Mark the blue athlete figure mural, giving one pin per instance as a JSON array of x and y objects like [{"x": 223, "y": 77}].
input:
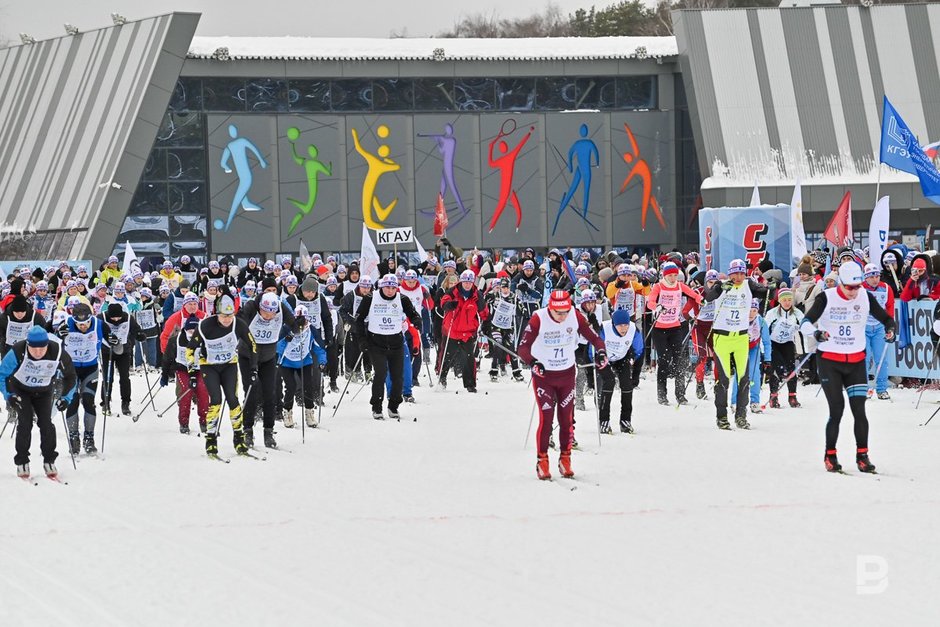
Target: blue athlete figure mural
[
  {"x": 237, "y": 150},
  {"x": 587, "y": 155}
]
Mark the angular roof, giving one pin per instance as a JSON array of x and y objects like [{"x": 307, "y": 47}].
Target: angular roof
[{"x": 422, "y": 49}]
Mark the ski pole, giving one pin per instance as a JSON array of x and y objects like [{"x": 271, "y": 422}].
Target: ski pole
[
  {"x": 535, "y": 403},
  {"x": 931, "y": 417},
  {"x": 107, "y": 384},
  {"x": 303, "y": 403},
  {"x": 881, "y": 362},
  {"x": 66, "y": 427},
  {"x": 345, "y": 387},
  {"x": 176, "y": 402},
  {"x": 929, "y": 372},
  {"x": 792, "y": 374},
  {"x": 149, "y": 390},
  {"x": 322, "y": 395},
  {"x": 597, "y": 409},
  {"x": 152, "y": 402}
]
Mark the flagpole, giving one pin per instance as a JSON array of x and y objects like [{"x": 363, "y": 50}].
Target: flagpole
[{"x": 878, "y": 184}]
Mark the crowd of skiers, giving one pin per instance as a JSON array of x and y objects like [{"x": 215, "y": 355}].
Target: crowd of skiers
[{"x": 253, "y": 340}]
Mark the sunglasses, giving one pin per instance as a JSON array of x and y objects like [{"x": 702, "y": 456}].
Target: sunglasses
[{"x": 851, "y": 288}]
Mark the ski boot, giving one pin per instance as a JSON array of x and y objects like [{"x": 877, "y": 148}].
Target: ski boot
[
  {"x": 288, "y": 418},
  {"x": 22, "y": 470},
  {"x": 884, "y": 396},
  {"x": 393, "y": 414},
  {"x": 409, "y": 398},
  {"x": 442, "y": 383},
  {"x": 741, "y": 422},
  {"x": 662, "y": 400},
  {"x": 861, "y": 460},
  {"x": 723, "y": 423},
  {"x": 626, "y": 427},
  {"x": 184, "y": 429},
  {"x": 517, "y": 375},
  {"x": 310, "y": 416},
  {"x": 202, "y": 426},
  {"x": 333, "y": 386},
  {"x": 832, "y": 462},
  {"x": 494, "y": 376},
  {"x": 88, "y": 443},
  {"x": 793, "y": 402},
  {"x": 75, "y": 445},
  {"x": 51, "y": 472},
  {"x": 269, "y": 438},
  {"x": 700, "y": 391},
  {"x": 377, "y": 415},
  {"x": 541, "y": 467},
  {"x": 472, "y": 389},
  {"x": 249, "y": 436},
  {"x": 212, "y": 445},
  {"x": 574, "y": 444},
  {"x": 126, "y": 408},
  {"x": 564, "y": 464},
  {"x": 682, "y": 400},
  {"x": 415, "y": 383},
  {"x": 755, "y": 409},
  {"x": 605, "y": 428},
  {"x": 579, "y": 404},
  {"x": 551, "y": 441},
  {"x": 775, "y": 401},
  {"x": 238, "y": 439}
]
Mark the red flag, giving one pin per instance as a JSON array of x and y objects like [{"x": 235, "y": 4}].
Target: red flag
[
  {"x": 440, "y": 217},
  {"x": 839, "y": 231}
]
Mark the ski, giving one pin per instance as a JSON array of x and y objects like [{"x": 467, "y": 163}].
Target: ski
[
  {"x": 251, "y": 455},
  {"x": 29, "y": 480},
  {"x": 55, "y": 479},
  {"x": 217, "y": 458}
]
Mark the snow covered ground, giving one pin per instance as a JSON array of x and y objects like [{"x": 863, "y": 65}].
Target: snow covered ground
[{"x": 442, "y": 522}]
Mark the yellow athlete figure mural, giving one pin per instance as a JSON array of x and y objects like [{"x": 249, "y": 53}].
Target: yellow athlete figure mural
[{"x": 379, "y": 164}]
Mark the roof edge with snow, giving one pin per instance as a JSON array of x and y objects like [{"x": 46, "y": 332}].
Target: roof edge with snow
[{"x": 432, "y": 49}]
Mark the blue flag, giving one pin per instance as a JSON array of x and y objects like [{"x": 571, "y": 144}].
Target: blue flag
[{"x": 901, "y": 150}]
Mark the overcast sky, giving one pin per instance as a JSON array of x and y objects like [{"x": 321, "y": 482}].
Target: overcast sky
[{"x": 343, "y": 18}]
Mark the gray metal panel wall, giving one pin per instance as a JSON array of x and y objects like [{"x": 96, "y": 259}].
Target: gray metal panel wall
[{"x": 78, "y": 112}]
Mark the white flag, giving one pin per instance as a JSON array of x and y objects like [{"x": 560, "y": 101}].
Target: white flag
[
  {"x": 755, "y": 197},
  {"x": 878, "y": 230},
  {"x": 131, "y": 262},
  {"x": 368, "y": 257},
  {"x": 306, "y": 262},
  {"x": 797, "y": 234},
  {"x": 422, "y": 254}
]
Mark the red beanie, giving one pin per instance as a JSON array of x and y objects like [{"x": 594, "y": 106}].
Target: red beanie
[
  {"x": 919, "y": 263},
  {"x": 559, "y": 301}
]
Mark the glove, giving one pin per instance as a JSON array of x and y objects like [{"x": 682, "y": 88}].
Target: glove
[
  {"x": 726, "y": 286},
  {"x": 63, "y": 331},
  {"x": 766, "y": 368},
  {"x": 364, "y": 345},
  {"x": 253, "y": 375},
  {"x": 289, "y": 336},
  {"x": 890, "y": 337},
  {"x": 537, "y": 368},
  {"x": 164, "y": 380},
  {"x": 322, "y": 367},
  {"x": 112, "y": 339},
  {"x": 449, "y": 305},
  {"x": 658, "y": 310},
  {"x": 821, "y": 336},
  {"x": 193, "y": 381},
  {"x": 61, "y": 404},
  {"x": 601, "y": 359},
  {"x": 15, "y": 403},
  {"x": 141, "y": 336}
]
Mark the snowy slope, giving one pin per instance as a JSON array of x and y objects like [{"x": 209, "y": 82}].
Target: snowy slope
[{"x": 442, "y": 522}]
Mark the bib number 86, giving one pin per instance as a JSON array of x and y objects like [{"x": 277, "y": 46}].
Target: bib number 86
[{"x": 845, "y": 330}]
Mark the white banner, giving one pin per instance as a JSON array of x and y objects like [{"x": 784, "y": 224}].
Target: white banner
[
  {"x": 368, "y": 257},
  {"x": 392, "y": 237},
  {"x": 131, "y": 262},
  {"x": 797, "y": 234},
  {"x": 755, "y": 196},
  {"x": 878, "y": 230}
]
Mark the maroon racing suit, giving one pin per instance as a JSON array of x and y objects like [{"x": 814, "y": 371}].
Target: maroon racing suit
[{"x": 555, "y": 388}]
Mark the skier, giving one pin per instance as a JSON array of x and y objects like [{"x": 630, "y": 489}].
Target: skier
[
  {"x": 464, "y": 309},
  {"x": 704, "y": 315},
  {"x": 300, "y": 355},
  {"x": 837, "y": 320},
  {"x": 214, "y": 350},
  {"x": 412, "y": 289},
  {"x": 665, "y": 301},
  {"x": 82, "y": 337},
  {"x": 188, "y": 388},
  {"x": 379, "y": 325},
  {"x": 501, "y": 322},
  {"x": 269, "y": 319},
  {"x": 333, "y": 296},
  {"x": 528, "y": 285},
  {"x": 349, "y": 311},
  {"x": 120, "y": 332},
  {"x": 875, "y": 345},
  {"x": 784, "y": 322},
  {"x": 624, "y": 344},
  {"x": 16, "y": 321},
  {"x": 28, "y": 375},
  {"x": 584, "y": 378},
  {"x": 547, "y": 346}
]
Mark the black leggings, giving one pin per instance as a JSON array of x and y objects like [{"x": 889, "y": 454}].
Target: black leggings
[
  {"x": 221, "y": 379},
  {"x": 87, "y": 377},
  {"x": 782, "y": 359},
  {"x": 387, "y": 361},
  {"x": 460, "y": 353},
  {"x": 121, "y": 369},
  {"x": 264, "y": 391},
  {"x": 40, "y": 406},
  {"x": 836, "y": 376},
  {"x": 310, "y": 385},
  {"x": 668, "y": 344},
  {"x": 617, "y": 372}
]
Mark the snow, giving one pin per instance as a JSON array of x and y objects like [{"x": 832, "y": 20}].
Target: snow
[
  {"x": 442, "y": 521},
  {"x": 361, "y": 48}
]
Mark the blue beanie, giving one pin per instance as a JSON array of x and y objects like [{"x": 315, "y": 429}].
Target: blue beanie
[
  {"x": 620, "y": 316},
  {"x": 37, "y": 337}
]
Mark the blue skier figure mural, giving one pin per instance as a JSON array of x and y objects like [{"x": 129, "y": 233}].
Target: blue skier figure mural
[
  {"x": 447, "y": 146},
  {"x": 237, "y": 150},
  {"x": 587, "y": 155}
]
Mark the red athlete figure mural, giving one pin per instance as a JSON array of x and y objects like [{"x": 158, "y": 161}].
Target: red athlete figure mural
[
  {"x": 506, "y": 163},
  {"x": 642, "y": 170}
]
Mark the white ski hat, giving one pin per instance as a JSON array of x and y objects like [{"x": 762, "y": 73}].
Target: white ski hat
[
  {"x": 872, "y": 270},
  {"x": 850, "y": 273}
]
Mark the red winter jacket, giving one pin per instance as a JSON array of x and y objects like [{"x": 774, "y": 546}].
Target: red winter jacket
[
  {"x": 463, "y": 322},
  {"x": 174, "y": 323}
]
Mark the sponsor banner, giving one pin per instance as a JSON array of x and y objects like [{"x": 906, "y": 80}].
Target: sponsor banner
[
  {"x": 919, "y": 358},
  {"x": 749, "y": 233}
]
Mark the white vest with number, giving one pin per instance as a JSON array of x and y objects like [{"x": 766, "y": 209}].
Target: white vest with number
[
  {"x": 147, "y": 318},
  {"x": 36, "y": 373},
  {"x": 83, "y": 347},
  {"x": 416, "y": 296},
  {"x": 625, "y": 299},
  {"x": 706, "y": 312},
  {"x": 313, "y": 312},
  {"x": 881, "y": 295},
  {"x": 17, "y": 331},
  {"x": 266, "y": 331},
  {"x": 181, "y": 350},
  {"x": 556, "y": 342},
  {"x": 732, "y": 309},
  {"x": 616, "y": 345},
  {"x": 221, "y": 350},
  {"x": 299, "y": 347},
  {"x": 504, "y": 314},
  {"x": 784, "y": 328},
  {"x": 385, "y": 316},
  {"x": 844, "y": 320},
  {"x": 121, "y": 331}
]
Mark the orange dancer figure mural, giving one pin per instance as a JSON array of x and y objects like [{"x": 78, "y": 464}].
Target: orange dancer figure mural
[{"x": 642, "y": 170}]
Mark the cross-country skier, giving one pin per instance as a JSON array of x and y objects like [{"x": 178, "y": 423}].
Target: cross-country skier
[
  {"x": 301, "y": 354},
  {"x": 784, "y": 322},
  {"x": 82, "y": 337},
  {"x": 875, "y": 345},
  {"x": 464, "y": 310},
  {"x": 624, "y": 344},
  {"x": 189, "y": 389},
  {"x": 501, "y": 324},
  {"x": 665, "y": 301},
  {"x": 120, "y": 333},
  {"x": 16, "y": 321}
]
